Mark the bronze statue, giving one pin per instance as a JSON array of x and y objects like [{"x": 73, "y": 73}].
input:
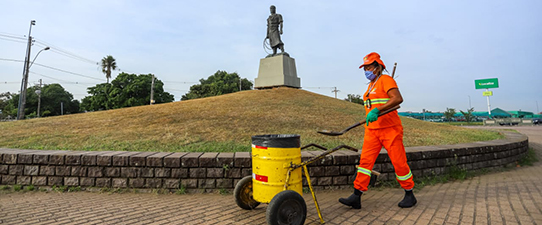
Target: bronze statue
[{"x": 274, "y": 30}]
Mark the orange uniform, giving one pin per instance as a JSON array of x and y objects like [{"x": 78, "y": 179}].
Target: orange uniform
[{"x": 386, "y": 132}]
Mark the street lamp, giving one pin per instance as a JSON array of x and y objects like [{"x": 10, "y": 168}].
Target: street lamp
[
  {"x": 45, "y": 49},
  {"x": 22, "y": 95}
]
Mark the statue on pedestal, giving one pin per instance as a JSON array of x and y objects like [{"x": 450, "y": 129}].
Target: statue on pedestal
[{"x": 274, "y": 30}]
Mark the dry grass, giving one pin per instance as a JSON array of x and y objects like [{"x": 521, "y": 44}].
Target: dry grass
[{"x": 222, "y": 123}]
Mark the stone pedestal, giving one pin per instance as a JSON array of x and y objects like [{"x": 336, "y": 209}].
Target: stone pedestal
[{"x": 277, "y": 71}]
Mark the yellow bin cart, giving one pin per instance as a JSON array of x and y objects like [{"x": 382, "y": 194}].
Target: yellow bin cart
[
  {"x": 272, "y": 156},
  {"x": 276, "y": 178}
]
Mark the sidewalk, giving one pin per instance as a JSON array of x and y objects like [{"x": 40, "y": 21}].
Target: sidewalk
[{"x": 510, "y": 197}]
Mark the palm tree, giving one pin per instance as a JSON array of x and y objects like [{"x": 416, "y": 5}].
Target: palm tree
[{"x": 108, "y": 64}]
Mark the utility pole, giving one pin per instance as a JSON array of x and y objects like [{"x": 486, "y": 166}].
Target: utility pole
[
  {"x": 24, "y": 84},
  {"x": 335, "y": 91},
  {"x": 152, "y": 90},
  {"x": 61, "y": 108},
  {"x": 240, "y": 89},
  {"x": 39, "y": 100}
]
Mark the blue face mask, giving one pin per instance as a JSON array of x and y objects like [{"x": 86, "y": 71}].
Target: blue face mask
[{"x": 370, "y": 75}]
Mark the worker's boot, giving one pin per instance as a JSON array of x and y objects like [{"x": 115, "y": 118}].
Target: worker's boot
[
  {"x": 409, "y": 200},
  {"x": 354, "y": 200}
]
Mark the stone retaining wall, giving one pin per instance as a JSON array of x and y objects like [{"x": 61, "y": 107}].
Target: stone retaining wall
[{"x": 222, "y": 170}]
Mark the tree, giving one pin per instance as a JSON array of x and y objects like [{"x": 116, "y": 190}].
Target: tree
[
  {"x": 126, "y": 90},
  {"x": 449, "y": 114},
  {"x": 219, "y": 83},
  {"x": 354, "y": 98},
  {"x": 5, "y": 111},
  {"x": 108, "y": 64},
  {"x": 53, "y": 98},
  {"x": 468, "y": 115}
]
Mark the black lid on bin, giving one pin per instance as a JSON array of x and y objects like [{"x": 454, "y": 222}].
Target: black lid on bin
[{"x": 277, "y": 140}]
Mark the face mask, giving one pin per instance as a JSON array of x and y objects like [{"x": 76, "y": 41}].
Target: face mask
[{"x": 370, "y": 75}]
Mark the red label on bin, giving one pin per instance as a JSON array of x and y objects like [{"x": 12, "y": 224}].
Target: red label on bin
[
  {"x": 261, "y": 178},
  {"x": 260, "y": 147}
]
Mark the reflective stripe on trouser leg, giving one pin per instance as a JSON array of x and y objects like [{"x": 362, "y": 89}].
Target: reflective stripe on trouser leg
[
  {"x": 393, "y": 142},
  {"x": 405, "y": 177},
  {"x": 369, "y": 152},
  {"x": 364, "y": 171}
]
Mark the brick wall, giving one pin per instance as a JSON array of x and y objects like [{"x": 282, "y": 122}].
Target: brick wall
[{"x": 209, "y": 171}]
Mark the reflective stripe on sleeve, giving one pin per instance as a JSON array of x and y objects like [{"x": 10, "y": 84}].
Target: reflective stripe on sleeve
[
  {"x": 377, "y": 101},
  {"x": 364, "y": 171},
  {"x": 405, "y": 177}
]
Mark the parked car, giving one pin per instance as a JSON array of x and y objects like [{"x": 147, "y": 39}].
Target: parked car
[{"x": 537, "y": 121}]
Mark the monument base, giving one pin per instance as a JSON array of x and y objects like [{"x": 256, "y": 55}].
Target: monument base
[{"x": 277, "y": 71}]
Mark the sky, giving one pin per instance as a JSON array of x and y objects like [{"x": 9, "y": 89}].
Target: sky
[{"x": 441, "y": 47}]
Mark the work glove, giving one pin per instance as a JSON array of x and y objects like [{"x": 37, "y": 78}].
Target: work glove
[{"x": 372, "y": 116}]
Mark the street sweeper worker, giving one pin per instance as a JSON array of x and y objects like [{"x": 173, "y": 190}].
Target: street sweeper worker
[{"x": 381, "y": 131}]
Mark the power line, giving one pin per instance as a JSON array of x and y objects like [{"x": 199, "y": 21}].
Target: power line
[
  {"x": 13, "y": 36},
  {"x": 65, "y": 53},
  {"x": 18, "y": 41},
  {"x": 53, "y": 68}
]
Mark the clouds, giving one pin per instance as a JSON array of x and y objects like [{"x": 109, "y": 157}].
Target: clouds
[{"x": 440, "y": 47}]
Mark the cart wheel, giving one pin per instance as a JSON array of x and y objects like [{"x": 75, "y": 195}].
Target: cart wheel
[
  {"x": 243, "y": 194},
  {"x": 287, "y": 207}
]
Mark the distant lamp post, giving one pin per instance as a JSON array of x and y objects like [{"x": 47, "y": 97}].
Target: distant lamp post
[
  {"x": 22, "y": 95},
  {"x": 39, "y": 100}
]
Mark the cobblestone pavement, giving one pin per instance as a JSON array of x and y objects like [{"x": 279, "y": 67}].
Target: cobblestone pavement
[{"x": 509, "y": 197}]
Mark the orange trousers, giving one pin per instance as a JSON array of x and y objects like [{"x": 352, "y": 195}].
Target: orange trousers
[{"x": 392, "y": 139}]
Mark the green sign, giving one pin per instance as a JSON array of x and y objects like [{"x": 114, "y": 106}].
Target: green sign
[{"x": 486, "y": 83}]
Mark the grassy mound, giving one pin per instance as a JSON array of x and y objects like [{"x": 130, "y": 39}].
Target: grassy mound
[{"x": 222, "y": 124}]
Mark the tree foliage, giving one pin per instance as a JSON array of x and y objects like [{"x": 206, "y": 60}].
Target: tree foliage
[
  {"x": 219, "y": 83},
  {"x": 126, "y": 90},
  {"x": 108, "y": 64},
  {"x": 53, "y": 98},
  {"x": 449, "y": 114},
  {"x": 468, "y": 115},
  {"x": 354, "y": 98}
]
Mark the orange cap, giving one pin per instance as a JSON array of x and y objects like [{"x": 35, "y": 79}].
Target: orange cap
[{"x": 370, "y": 58}]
